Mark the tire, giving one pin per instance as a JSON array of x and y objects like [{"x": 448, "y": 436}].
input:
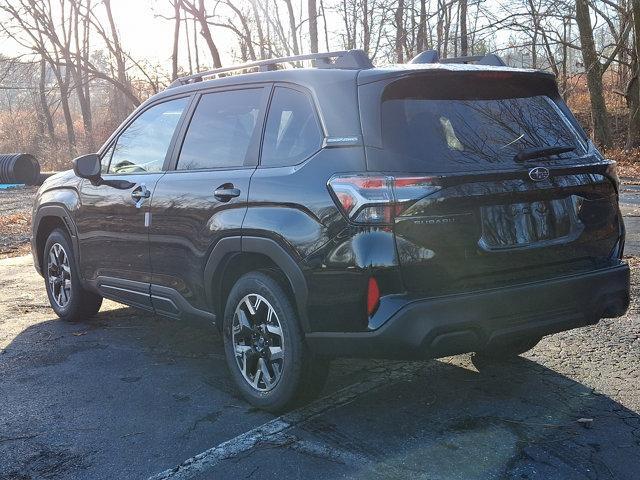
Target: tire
[
  {"x": 69, "y": 300},
  {"x": 286, "y": 377},
  {"x": 507, "y": 350}
]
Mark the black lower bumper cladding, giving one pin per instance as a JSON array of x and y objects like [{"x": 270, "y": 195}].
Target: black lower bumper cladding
[{"x": 461, "y": 323}]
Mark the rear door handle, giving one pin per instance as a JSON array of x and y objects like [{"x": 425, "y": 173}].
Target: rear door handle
[
  {"x": 140, "y": 193},
  {"x": 226, "y": 192}
]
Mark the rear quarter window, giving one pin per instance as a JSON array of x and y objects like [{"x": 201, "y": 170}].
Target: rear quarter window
[{"x": 292, "y": 132}]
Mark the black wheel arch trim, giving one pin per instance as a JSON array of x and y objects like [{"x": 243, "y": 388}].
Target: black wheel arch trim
[
  {"x": 223, "y": 252},
  {"x": 59, "y": 211}
]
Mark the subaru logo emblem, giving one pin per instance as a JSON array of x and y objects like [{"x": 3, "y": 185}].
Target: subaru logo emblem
[{"x": 538, "y": 174}]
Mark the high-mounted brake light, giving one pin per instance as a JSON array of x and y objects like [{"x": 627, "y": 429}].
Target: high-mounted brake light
[{"x": 377, "y": 199}]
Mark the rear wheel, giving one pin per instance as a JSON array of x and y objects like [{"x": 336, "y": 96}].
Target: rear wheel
[
  {"x": 68, "y": 299},
  {"x": 507, "y": 350},
  {"x": 264, "y": 346}
]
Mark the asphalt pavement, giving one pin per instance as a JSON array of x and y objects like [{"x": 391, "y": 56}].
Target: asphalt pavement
[{"x": 130, "y": 396}]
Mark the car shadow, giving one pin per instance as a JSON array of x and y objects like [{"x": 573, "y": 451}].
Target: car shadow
[{"x": 127, "y": 394}]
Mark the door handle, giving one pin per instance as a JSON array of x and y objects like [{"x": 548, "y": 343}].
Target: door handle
[
  {"x": 140, "y": 193},
  {"x": 226, "y": 192}
]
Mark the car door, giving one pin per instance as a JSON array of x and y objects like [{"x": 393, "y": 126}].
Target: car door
[
  {"x": 113, "y": 223},
  {"x": 203, "y": 198}
]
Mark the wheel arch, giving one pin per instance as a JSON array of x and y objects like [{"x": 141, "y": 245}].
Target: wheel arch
[
  {"x": 234, "y": 256},
  {"x": 47, "y": 219}
]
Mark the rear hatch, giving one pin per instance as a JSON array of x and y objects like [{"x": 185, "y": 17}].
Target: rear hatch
[{"x": 516, "y": 192}]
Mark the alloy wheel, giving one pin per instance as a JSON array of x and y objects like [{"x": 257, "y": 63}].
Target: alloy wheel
[
  {"x": 258, "y": 342},
  {"x": 59, "y": 275}
]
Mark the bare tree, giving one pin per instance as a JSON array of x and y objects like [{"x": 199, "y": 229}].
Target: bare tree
[
  {"x": 199, "y": 12},
  {"x": 176, "y": 38},
  {"x": 633, "y": 87},
  {"x": 601, "y": 129},
  {"x": 312, "y": 9},
  {"x": 464, "y": 39}
]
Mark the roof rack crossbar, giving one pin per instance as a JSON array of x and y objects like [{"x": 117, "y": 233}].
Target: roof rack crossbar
[
  {"x": 343, "y": 59},
  {"x": 431, "y": 56}
]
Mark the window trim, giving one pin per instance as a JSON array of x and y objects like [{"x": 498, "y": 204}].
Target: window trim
[
  {"x": 132, "y": 118},
  {"x": 255, "y": 142},
  {"x": 314, "y": 106}
]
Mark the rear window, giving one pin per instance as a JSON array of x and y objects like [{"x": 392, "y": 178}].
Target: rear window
[{"x": 421, "y": 133}]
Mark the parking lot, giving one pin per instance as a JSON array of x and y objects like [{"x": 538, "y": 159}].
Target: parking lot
[{"x": 129, "y": 395}]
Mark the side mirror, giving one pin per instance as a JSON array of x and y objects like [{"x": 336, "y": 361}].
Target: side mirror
[{"x": 88, "y": 166}]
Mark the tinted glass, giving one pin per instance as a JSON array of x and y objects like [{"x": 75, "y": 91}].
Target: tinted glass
[
  {"x": 292, "y": 133},
  {"x": 465, "y": 134},
  {"x": 455, "y": 122},
  {"x": 142, "y": 147},
  {"x": 221, "y": 129},
  {"x": 105, "y": 160}
]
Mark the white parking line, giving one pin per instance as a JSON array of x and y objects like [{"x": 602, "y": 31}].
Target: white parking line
[{"x": 273, "y": 429}]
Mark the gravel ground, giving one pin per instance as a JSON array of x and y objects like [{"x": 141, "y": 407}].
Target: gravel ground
[
  {"x": 15, "y": 220},
  {"x": 129, "y": 395}
]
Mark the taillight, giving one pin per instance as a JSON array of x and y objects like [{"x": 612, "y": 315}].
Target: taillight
[
  {"x": 373, "y": 296},
  {"x": 378, "y": 199}
]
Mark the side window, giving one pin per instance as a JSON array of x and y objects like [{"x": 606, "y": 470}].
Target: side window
[
  {"x": 143, "y": 145},
  {"x": 221, "y": 130},
  {"x": 292, "y": 133}
]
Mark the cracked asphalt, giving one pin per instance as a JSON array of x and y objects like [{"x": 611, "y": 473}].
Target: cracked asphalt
[{"x": 128, "y": 395}]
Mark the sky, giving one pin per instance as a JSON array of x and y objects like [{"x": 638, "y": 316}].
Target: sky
[{"x": 143, "y": 33}]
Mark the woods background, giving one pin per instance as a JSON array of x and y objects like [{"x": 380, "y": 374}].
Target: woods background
[{"x": 67, "y": 79}]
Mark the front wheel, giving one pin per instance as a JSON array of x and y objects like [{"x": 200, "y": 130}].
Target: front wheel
[
  {"x": 68, "y": 299},
  {"x": 264, "y": 346}
]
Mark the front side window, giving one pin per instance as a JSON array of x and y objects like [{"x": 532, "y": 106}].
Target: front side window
[
  {"x": 292, "y": 133},
  {"x": 105, "y": 160},
  {"x": 143, "y": 145},
  {"x": 221, "y": 130}
]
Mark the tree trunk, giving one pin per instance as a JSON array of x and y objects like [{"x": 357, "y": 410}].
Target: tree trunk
[
  {"x": 201, "y": 15},
  {"x": 464, "y": 39},
  {"x": 186, "y": 31},
  {"x": 63, "y": 86},
  {"x": 399, "y": 44},
  {"x": 121, "y": 109},
  {"x": 313, "y": 25},
  {"x": 366, "y": 27},
  {"x": 196, "y": 53},
  {"x": 600, "y": 120},
  {"x": 440, "y": 27},
  {"x": 176, "y": 39},
  {"x": 44, "y": 105},
  {"x": 421, "y": 41},
  {"x": 633, "y": 89},
  {"x": 76, "y": 69},
  {"x": 324, "y": 23},
  {"x": 292, "y": 26},
  {"x": 246, "y": 32},
  {"x": 257, "y": 20}
]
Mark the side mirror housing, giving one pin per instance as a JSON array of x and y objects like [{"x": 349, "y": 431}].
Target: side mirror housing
[{"x": 88, "y": 166}]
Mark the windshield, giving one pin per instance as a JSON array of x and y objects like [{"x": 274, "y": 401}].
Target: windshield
[{"x": 468, "y": 134}]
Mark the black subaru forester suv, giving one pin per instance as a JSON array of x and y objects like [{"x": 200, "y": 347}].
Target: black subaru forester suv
[{"x": 411, "y": 211}]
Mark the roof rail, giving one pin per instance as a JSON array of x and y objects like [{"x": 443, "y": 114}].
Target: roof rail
[
  {"x": 342, "y": 59},
  {"x": 432, "y": 56}
]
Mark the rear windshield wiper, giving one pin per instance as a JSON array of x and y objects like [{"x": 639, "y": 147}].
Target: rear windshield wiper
[{"x": 538, "y": 152}]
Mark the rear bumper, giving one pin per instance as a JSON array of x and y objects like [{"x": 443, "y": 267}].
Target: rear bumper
[{"x": 454, "y": 324}]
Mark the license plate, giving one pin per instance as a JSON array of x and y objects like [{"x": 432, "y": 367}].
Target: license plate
[{"x": 530, "y": 224}]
